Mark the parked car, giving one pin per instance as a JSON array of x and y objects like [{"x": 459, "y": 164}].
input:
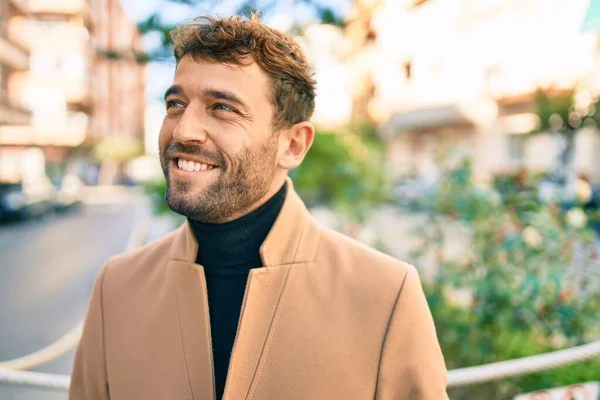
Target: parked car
[
  {"x": 69, "y": 192},
  {"x": 25, "y": 199},
  {"x": 594, "y": 206}
]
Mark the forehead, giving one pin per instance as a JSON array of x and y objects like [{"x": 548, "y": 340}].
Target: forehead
[{"x": 248, "y": 81}]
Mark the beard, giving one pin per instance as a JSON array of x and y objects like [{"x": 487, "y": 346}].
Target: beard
[{"x": 235, "y": 189}]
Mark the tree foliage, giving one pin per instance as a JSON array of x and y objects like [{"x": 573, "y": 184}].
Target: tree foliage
[
  {"x": 117, "y": 148},
  {"x": 560, "y": 114},
  {"x": 558, "y": 111}
]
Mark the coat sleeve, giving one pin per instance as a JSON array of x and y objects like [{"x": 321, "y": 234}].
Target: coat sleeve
[
  {"x": 89, "y": 380},
  {"x": 412, "y": 365}
]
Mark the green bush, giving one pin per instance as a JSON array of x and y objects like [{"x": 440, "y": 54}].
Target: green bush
[
  {"x": 345, "y": 170},
  {"x": 515, "y": 269},
  {"x": 465, "y": 344}
]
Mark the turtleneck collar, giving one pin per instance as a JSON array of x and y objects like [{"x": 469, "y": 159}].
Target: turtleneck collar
[{"x": 237, "y": 243}]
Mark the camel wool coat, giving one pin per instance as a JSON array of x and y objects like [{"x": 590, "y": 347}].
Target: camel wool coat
[{"x": 325, "y": 318}]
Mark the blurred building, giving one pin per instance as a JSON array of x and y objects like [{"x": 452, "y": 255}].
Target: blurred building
[
  {"x": 118, "y": 85},
  {"x": 461, "y": 75},
  {"x": 84, "y": 83},
  {"x": 324, "y": 46},
  {"x": 14, "y": 59}
]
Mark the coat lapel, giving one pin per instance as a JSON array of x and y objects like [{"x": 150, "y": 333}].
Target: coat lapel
[
  {"x": 189, "y": 284},
  {"x": 262, "y": 298},
  {"x": 292, "y": 241},
  {"x": 192, "y": 309}
]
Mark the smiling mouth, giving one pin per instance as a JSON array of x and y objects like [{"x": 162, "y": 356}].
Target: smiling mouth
[{"x": 192, "y": 166}]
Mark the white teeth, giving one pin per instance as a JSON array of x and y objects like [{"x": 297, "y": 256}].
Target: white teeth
[{"x": 192, "y": 166}]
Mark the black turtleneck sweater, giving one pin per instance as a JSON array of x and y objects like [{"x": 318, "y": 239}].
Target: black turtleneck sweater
[{"x": 228, "y": 252}]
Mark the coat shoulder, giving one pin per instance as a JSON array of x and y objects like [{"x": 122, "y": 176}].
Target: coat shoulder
[
  {"x": 141, "y": 260},
  {"x": 354, "y": 257}
]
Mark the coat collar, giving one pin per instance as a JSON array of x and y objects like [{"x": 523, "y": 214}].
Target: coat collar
[{"x": 293, "y": 238}]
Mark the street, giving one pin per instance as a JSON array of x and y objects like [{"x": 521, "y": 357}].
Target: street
[{"x": 47, "y": 269}]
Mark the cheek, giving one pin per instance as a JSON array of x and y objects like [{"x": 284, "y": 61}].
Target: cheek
[
  {"x": 166, "y": 133},
  {"x": 230, "y": 141}
]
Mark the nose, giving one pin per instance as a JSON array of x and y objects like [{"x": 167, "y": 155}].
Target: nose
[{"x": 191, "y": 126}]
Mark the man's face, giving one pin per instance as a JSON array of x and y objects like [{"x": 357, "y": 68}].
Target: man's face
[{"x": 217, "y": 146}]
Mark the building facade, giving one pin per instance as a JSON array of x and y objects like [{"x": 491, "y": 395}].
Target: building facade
[
  {"x": 84, "y": 83},
  {"x": 14, "y": 60},
  {"x": 118, "y": 87},
  {"x": 459, "y": 77}
]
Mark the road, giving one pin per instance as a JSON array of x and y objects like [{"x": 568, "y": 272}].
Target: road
[{"x": 47, "y": 269}]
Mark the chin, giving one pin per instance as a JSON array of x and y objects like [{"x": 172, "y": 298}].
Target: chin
[
  {"x": 188, "y": 198},
  {"x": 180, "y": 203}
]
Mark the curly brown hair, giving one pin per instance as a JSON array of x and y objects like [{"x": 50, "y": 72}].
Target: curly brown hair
[{"x": 241, "y": 41}]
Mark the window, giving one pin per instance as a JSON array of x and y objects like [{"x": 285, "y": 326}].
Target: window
[
  {"x": 50, "y": 18},
  {"x": 492, "y": 80},
  {"x": 43, "y": 64},
  {"x": 72, "y": 65},
  {"x": 2, "y": 78},
  {"x": 476, "y": 6},
  {"x": 371, "y": 35},
  {"x": 408, "y": 70},
  {"x": 3, "y": 11},
  {"x": 417, "y": 3},
  {"x": 516, "y": 148}
]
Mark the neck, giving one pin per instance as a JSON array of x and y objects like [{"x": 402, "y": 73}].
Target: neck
[{"x": 237, "y": 242}]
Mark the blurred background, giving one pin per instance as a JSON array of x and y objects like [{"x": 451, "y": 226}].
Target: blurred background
[{"x": 459, "y": 135}]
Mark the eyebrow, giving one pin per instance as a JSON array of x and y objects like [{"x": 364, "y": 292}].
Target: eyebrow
[
  {"x": 173, "y": 89},
  {"x": 225, "y": 95}
]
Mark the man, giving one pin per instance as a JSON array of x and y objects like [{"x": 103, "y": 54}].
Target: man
[{"x": 251, "y": 298}]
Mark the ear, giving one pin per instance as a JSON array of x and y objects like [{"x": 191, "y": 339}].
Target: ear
[{"x": 294, "y": 143}]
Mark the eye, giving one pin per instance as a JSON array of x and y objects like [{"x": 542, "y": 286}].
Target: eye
[
  {"x": 174, "y": 103},
  {"x": 222, "y": 107}
]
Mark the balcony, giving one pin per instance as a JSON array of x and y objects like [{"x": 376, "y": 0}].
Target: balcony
[
  {"x": 39, "y": 34},
  {"x": 27, "y": 135},
  {"x": 13, "y": 55},
  {"x": 60, "y": 7},
  {"x": 15, "y": 34},
  {"x": 18, "y": 7},
  {"x": 69, "y": 133},
  {"x": 478, "y": 112},
  {"x": 76, "y": 91},
  {"x": 11, "y": 115}
]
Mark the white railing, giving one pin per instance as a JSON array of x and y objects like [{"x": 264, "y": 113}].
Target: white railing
[
  {"x": 47, "y": 354},
  {"x": 35, "y": 380},
  {"x": 456, "y": 377},
  {"x": 13, "y": 372},
  {"x": 522, "y": 366}
]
